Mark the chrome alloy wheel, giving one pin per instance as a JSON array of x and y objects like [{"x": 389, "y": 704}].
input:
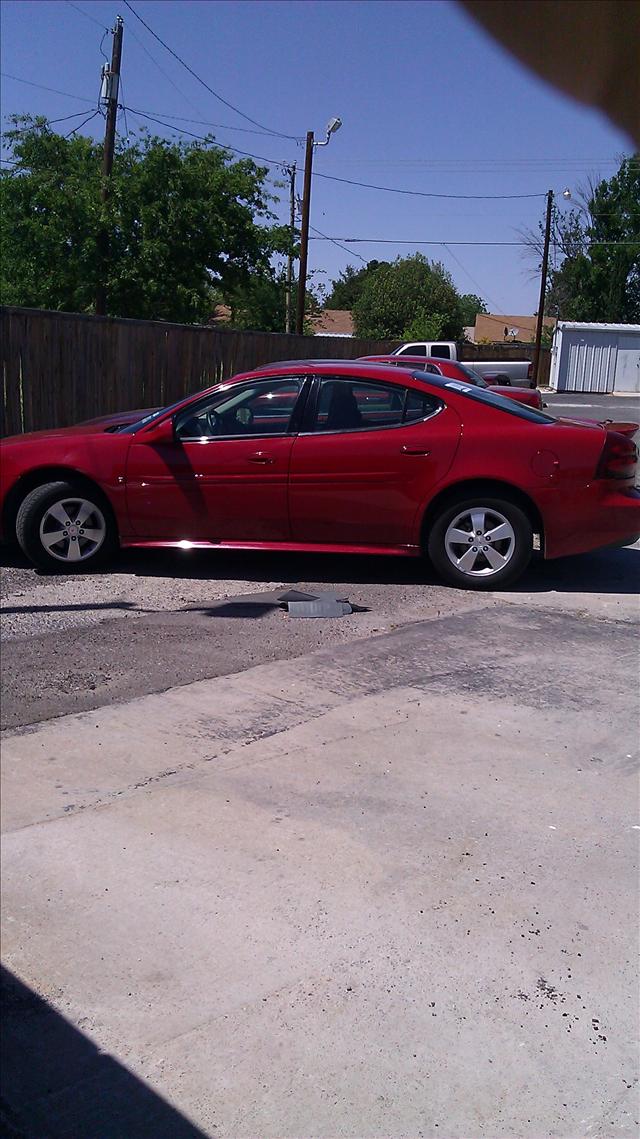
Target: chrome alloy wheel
[
  {"x": 480, "y": 542},
  {"x": 72, "y": 529}
]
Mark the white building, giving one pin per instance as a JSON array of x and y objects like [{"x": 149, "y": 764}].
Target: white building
[{"x": 595, "y": 357}]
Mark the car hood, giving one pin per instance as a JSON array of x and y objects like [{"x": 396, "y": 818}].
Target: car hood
[{"x": 97, "y": 426}]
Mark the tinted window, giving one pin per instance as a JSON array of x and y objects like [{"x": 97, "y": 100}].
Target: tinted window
[
  {"x": 474, "y": 377},
  {"x": 418, "y": 405},
  {"x": 262, "y": 408},
  {"x": 441, "y": 351},
  {"x": 414, "y": 350},
  {"x": 351, "y": 405},
  {"x": 500, "y": 402}
]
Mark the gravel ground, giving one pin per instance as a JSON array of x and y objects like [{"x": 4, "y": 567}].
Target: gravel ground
[
  {"x": 141, "y": 583},
  {"x": 156, "y": 620}
]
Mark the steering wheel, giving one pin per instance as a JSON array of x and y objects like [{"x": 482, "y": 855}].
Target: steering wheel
[{"x": 214, "y": 422}]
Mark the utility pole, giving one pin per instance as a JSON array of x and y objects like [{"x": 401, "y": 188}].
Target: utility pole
[
  {"x": 291, "y": 171},
  {"x": 109, "y": 96},
  {"x": 332, "y": 126},
  {"x": 304, "y": 234},
  {"x": 543, "y": 287}
]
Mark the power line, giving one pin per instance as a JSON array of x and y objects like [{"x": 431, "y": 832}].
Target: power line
[
  {"x": 404, "y": 241},
  {"x": 425, "y": 193},
  {"x": 86, "y": 14},
  {"x": 203, "y": 123},
  {"x": 332, "y": 177},
  {"x": 351, "y": 252},
  {"x": 205, "y": 138},
  {"x": 18, "y": 166},
  {"x": 53, "y": 90},
  {"x": 471, "y": 278},
  {"x": 81, "y": 125},
  {"x": 195, "y": 75},
  {"x": 121, "y": 107},
  {"x": 162, "y": 70},
  {"x": 48, "y": 123}
]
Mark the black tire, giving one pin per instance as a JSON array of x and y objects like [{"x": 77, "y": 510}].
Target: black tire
[
  {"x": 33, "y": 515},
  {"x": 503, "y": 381},
  {"x": 519, "y": 547}
]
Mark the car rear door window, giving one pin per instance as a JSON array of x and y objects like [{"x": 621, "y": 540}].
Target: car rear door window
[{"x": 354, "y": 405}]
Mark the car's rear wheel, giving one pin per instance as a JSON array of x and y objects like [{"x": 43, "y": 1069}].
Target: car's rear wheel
[
  {"x": 66, "y": 528},
  {"x": 481, "y": 542}
]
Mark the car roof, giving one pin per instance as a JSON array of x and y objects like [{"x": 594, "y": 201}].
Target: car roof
[
  {"x": 356, "y": 369},
  {"x": 397, "y": 361},
  {"x": 366, "y": 369}
]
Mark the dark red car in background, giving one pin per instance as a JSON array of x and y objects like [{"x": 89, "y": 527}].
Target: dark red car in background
[
  {"x": 326, "y": 456},
  {"x": 455, "y": 371}
]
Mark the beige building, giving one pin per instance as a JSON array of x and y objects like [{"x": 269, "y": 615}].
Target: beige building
[
  {"x": 492, "y": 327},
  {"x": 332, "y": 322}
]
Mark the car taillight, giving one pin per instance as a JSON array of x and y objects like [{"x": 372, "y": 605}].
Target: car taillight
[
  {"x": 530, "y": 371},
  {"x": 618, "y": 459}
]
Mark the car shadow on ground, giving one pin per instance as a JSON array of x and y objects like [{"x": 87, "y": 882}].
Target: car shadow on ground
[
  {"x": 604, "y": 571},
  {"x": 58, "y": 1083}
]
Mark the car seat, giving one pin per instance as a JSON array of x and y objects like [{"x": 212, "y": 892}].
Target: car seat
[{"x": 343, "y": 409}]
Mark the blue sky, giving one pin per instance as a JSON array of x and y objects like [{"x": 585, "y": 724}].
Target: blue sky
[{"x": 428, "y": 103}]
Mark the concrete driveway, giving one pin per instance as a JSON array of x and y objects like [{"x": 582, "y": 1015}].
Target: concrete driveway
[{"x": 386, "y": 888}]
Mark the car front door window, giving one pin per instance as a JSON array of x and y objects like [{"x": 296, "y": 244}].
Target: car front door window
[{"x": 263, "y": 408}]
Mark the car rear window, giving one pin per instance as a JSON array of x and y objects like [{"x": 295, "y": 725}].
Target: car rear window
[{"x": 487, "y": 396}]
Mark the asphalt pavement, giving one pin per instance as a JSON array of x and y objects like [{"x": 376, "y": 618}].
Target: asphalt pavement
[{"x": 590, "y": 406}]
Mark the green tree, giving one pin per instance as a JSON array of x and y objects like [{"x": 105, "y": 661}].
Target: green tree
[
  {"x": 180, "y": 219},
  {"x": 405, "y": 294},
  {"x": 471, "y": 305},
  {"x": 349, "y": 285},
  {"x": 259, "y": 303},
  {"x": 597, "y": 249},
  {"x": 424, "y": 326}
]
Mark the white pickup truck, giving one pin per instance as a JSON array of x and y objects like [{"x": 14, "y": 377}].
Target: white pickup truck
[{"x": 518, "y": 372}]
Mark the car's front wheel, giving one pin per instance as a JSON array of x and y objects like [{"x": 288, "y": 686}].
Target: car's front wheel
[
  {"x": 481, "y": 543},
  {"x": 62, "y": 527}
]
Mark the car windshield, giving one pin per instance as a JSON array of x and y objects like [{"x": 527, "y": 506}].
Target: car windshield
[
  {"x": 131, "y": 428},
  {"x": 487, "y": 396}
]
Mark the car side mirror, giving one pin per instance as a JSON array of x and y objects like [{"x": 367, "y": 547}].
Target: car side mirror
[{"x": 163, "y": 432}]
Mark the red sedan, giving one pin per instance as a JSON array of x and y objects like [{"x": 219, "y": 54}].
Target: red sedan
[
  {"x": 328, "y": 456},
  {"x": 455, "y": 371}
]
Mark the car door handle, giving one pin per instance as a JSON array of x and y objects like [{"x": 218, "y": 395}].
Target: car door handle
[
  {"x": 405, "y": 450},
  {"x": 260, "y": 457}
]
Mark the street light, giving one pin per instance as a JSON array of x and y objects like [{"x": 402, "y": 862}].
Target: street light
[{"x": 332, "y": 126}]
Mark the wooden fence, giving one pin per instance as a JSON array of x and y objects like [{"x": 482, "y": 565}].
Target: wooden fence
[{"x": 60, "y": 368}]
